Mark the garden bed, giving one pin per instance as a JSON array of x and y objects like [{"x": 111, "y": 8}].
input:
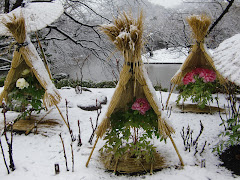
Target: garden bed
[{"x": 193, "y": 108}]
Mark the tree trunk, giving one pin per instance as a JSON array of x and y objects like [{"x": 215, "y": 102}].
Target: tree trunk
[
  {"x": 6, "y": 6},
  {"x": 17, "y": 4},
  {"x": 230, "y": 2}
]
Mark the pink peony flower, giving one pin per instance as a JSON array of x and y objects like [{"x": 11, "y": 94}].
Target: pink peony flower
[
  {"x": 197, "y": 71},
  {"x": 189, "y": 78},
  {"x": 142, "y": 105},
  {"x": 207, "y": 75}
]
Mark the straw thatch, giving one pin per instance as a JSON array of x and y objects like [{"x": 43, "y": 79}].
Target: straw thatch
[
  {"x": 126, "y": 34},
  {"x": 26, "y": 57},
  {"x": 129, "y": 164},
  {"x": 198, "y": 57}
]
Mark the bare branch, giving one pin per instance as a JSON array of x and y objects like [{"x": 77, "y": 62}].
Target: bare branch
[
  {"x": 90, "y": 9},
  {"x": 230, "y": 2}
]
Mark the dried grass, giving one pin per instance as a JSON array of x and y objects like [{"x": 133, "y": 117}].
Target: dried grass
[
  {"x": 126, "y": 34},
  {"x": 17, "y": 28},
  {"x": 199, "y": 26},
  {"x": 129, "y": 165}
]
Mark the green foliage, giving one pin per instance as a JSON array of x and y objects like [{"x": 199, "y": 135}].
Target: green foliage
[
  {"x": 231, "y": 134},
  {"x": 131, "y": 132},
  {"x": 87, "y": 84},
  {"x": 2, "y": 79},
  {"x": 28, "y": 99},
  {"x": 199, "y": 92},
  {"x": 160, "y": 88}
]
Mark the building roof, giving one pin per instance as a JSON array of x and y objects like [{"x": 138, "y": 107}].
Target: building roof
[{"x": 227, "y": 59}]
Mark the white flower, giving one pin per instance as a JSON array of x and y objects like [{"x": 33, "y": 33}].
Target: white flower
[
  {"x": 22, "y": 83},
  {"x": 25, "y": 72}
]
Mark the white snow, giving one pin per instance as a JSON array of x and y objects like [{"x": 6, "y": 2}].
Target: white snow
[
  {"x": 227, "y": 59},
  {"x": 170, "y": 55},
  {"x": 37, "y": 64},
  {"x": 35, "y": 155},
  {"x": 167, "y": 3},
  {"x": 37, "y": 16}
]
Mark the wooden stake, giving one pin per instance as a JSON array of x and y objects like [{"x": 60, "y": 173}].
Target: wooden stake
[
  {"x": 92, "y": 151},
  {"x": 57, "y": 169},
  {"x": 175, "y": 147},
  {"x": 61, "y": 115}
]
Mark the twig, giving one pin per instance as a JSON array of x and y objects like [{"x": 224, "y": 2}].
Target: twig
[
  {"x": 69, "y": 128},
  {"x": 91, "y": 123},
  {"x": 188, "y": 141},
  {"x": 64, "y": 152},
  {"x": 160, "y": 97},
  {"x": 170, "y": 112},
  {"x": 203, "y": 148},
  {"x": 219, "y": 113},
  {"x": 99, "y": 111},
  {"x": 201, "y": 130},
  {"x": 72, "y": 158},
  {"x": 79, "y": 135},
  {"x": 11, "y": 166},
  {"x": 4, "y": 159},
  {"x": 196, "y": 149}
]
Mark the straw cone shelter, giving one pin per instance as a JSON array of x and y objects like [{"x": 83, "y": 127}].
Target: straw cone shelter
[
  {"x": 126, "y": 34},
  {"x": 198, "y": 57},
  {"x": 26, "y": 57}
]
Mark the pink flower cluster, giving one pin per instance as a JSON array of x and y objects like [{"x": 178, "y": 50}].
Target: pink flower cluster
[
  {"x": 142, "y": 105},
  {"x": 207, "y": 75}
]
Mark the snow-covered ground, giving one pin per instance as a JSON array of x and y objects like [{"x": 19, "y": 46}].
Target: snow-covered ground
[
  {"x": 170, "y": 55},
  {"x": 167, "y": 3},
  {"x": 35, "y": 155}
]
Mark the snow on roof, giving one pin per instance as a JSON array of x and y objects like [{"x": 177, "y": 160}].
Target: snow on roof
[
  {"x": 227, "y": 59},
  {"x": 37, "y": 16}
]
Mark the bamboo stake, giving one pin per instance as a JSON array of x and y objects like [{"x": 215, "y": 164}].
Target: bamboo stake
[
  {"x": 170, "y": 94},
  {"x": 44, "y": 57},
  {"x": 92, "y": 151},
  {"x": 175, "y": 147},
  {"x": 61, "y": 114}
]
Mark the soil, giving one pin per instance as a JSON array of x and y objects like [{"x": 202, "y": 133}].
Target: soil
[{"x": 231, "y": 159}]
